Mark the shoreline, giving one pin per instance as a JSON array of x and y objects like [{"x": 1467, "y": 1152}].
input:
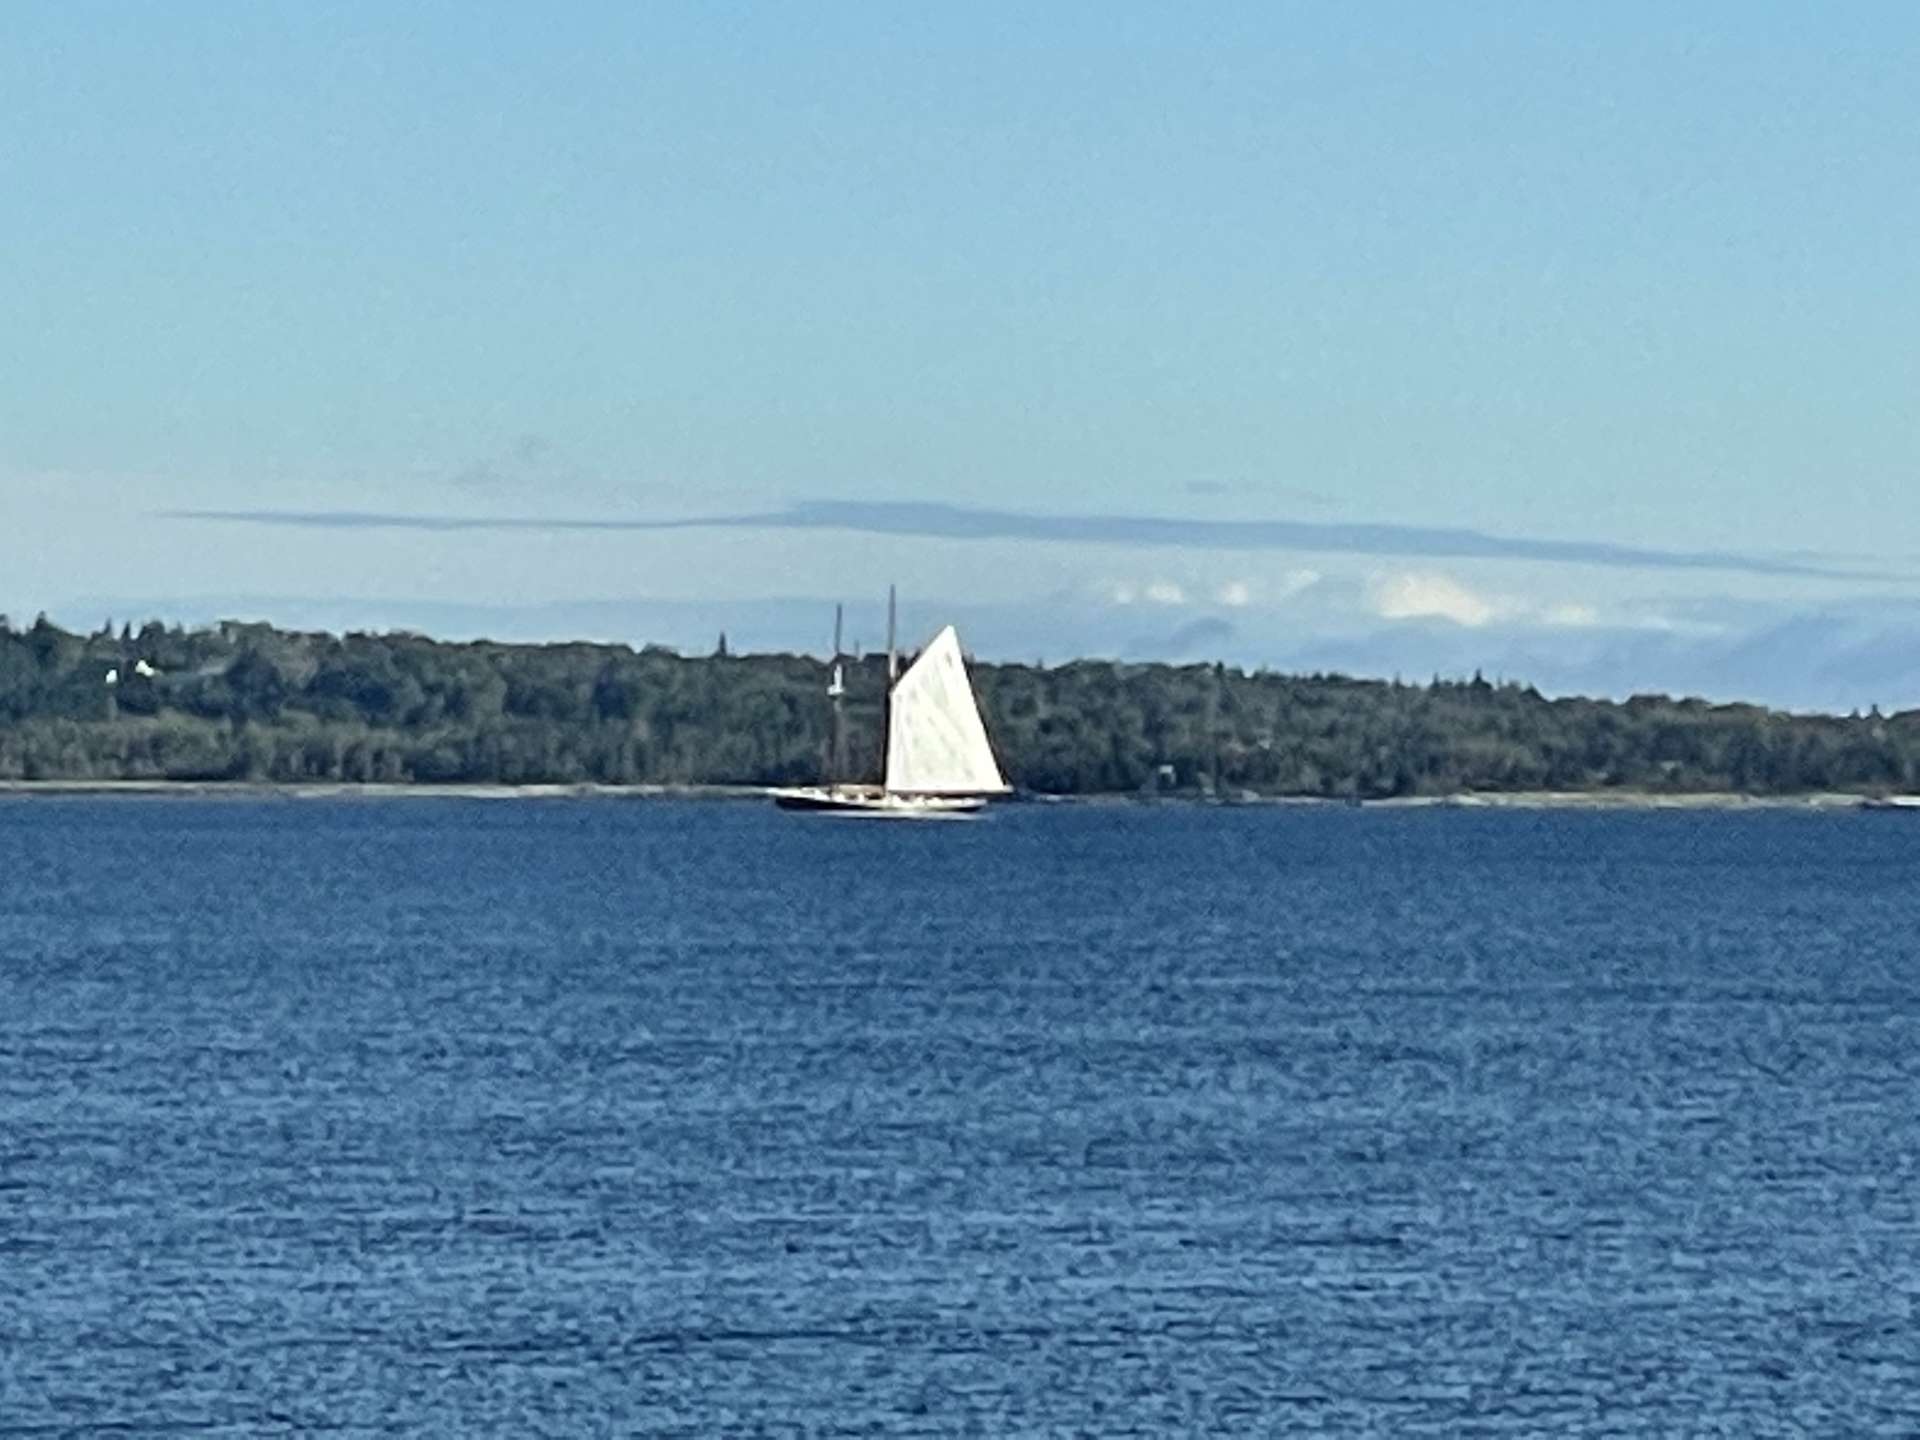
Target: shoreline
[
  {"x": 1466, "y": 800},
  {"x": 1645, "y": 800},
  {"x": 347, "y": 790}
]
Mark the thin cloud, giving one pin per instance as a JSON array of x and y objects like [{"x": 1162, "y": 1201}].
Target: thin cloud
[
  {"x": 1235, "y": 594},
  {"x": 954, "y": 522},
  {"x": 1433, "y": 597},
  {"x": 1214, "y": 489},
  {"x": 530, "y": 463},
  {"x": 1422, "y": 596}
]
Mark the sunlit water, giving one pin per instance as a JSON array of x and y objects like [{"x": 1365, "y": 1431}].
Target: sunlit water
[{"x": 603, "y": 1117}]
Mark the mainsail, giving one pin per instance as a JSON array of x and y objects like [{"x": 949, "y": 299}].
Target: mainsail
[{"x": 936, "y": 743}]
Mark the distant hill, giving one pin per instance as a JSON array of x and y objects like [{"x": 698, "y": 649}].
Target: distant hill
[{"x": 250, "y": 702}]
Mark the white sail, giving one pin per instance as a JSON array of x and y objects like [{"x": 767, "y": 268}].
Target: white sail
[{"x": 936, "y": 743}]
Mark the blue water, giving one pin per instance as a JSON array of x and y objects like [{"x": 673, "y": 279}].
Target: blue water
[{"x": 605, "y": 1117}]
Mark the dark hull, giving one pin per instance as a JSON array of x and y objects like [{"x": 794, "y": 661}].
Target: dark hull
[{"x": 876, "y": 803}]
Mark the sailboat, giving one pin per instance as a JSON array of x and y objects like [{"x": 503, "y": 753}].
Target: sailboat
[{"x": 938, "y": 759}]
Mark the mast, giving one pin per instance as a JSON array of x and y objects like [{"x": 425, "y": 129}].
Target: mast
[
  {"x": 893, "y": 672},
  {"x": 1213, "y": 731},
  {"x": 836, "y": 689}
]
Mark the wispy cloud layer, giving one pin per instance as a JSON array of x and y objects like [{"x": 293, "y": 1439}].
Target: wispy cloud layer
[{"x": 954, "y": 522}]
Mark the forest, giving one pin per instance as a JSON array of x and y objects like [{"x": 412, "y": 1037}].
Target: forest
[{"x": 249, "y": 702}]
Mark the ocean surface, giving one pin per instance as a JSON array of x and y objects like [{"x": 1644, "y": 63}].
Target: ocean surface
[{"x": 607, "y": 1117}]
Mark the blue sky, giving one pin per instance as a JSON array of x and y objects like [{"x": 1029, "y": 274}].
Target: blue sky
[{"x": 1314, "y": 290}]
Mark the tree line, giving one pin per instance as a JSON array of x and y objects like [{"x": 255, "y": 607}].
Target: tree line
[{"x": 249, "y": 702}]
